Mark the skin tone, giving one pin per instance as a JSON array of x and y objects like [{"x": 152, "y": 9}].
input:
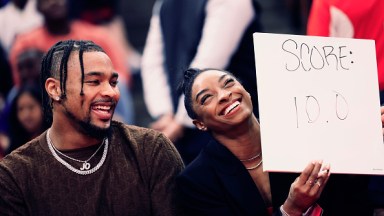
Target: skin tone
[
  {"x": 224, "y": 108},
  {"x": 94, "y": 108},
  {"x": 29, "y": 113}
]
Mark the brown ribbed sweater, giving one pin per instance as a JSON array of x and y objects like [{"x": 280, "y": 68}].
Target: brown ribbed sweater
[{"x": 137, "y": 178}]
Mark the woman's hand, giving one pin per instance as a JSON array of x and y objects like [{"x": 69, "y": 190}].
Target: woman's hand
[
  {"x": 382, "y": 117},
  {"x": 306, "y": 189}
]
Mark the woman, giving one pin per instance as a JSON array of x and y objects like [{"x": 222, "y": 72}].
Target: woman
[
  {"x": 227, "y": 177},
  {"x": 26, "y": 117}
]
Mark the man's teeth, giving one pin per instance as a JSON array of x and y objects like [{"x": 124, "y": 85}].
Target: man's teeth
[
  {"x": 103, "y": 108},
  {"x": 231, "y": 107}
]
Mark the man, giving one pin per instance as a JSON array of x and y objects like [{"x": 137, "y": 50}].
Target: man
[
  {"x": 201, "y": 34},
  {"x": 85, "y": 163}
]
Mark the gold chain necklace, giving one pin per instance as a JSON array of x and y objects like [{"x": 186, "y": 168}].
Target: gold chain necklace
[
  {"x": 251, "y": 159},
  {"x": 256, "y": 166}
]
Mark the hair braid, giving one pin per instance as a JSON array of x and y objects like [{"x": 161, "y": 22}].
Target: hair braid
[
  {"x": 81, "y": 51},
  {"x": 64, "y": 68}
]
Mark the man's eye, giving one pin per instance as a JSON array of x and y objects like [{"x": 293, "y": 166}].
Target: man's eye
[
  {"x": 114, "y": 83},
  {"x": 93, "y": 82}
]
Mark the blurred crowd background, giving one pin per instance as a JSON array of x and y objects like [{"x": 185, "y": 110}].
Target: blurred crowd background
[
  {"x": 146, "y": 41},
  {"x": 143, "y": 40},
  {"x": 24, "y": 39}
]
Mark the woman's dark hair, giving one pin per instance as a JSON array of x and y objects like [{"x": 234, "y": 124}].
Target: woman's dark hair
[
  {"x": 55, "y": 64},
  {"x": 186, "y": 87},
  {"x": 17, "y": 133}
]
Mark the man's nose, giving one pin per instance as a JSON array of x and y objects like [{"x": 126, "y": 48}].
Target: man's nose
[{"x": 109, "y": 90}]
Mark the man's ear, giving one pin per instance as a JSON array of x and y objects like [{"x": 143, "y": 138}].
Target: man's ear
[
  {"x": 52, "y": 86},
  {"x": 200, "y": 125}
]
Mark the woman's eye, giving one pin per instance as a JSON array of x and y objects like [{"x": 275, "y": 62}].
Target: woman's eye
[
  {"x": 228, "y": 82},
  {"x": 204, "y": 98}
]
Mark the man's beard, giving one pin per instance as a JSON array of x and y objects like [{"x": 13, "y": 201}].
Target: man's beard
[{"x": 86, "y": 127}]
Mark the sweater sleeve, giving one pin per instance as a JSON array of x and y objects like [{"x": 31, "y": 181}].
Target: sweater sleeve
[
  {"x": 164, "y": 164},
  {"x": 11, "y": 201}
]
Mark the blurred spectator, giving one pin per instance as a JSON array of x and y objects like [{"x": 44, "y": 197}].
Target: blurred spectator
[
  {"x": 57, "y": 26},
  {"x": 105, "y": 14},
  {"x": 5, "y": 86},
  {"x": 16, "y": 17},
  {"x": 6, "y": 78},
  {"x": 28, "y": 65},
  {"x": 136, "y": 16},
  {"x": 26, "y": 117},
  {"x": 298, "y": 14},
  {"x": 3, "y": 2},
  {"x": 195, "y": 33},
  {"x": 4, "y": 143},
  {"x": 97, "y": 12}
]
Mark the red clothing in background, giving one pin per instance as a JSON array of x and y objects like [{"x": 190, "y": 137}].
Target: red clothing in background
[
  {"x": 41, "y": 39},
  {"x": 363, "y": 19}
]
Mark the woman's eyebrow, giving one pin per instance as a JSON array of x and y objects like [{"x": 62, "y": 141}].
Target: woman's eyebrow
[
  {"x": 200, "y": 93},
  {"x": 222, "y": 77}
]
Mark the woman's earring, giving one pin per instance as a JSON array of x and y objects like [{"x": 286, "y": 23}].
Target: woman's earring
[{"x": 57, "y": 98}]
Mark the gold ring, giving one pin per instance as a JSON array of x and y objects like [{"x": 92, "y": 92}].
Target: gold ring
[{"x": 310, "y": 183}]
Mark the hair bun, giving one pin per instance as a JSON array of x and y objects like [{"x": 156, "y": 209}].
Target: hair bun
[{"x": 190, "y": 72}]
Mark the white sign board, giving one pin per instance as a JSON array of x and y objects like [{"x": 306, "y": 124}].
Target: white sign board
[{"x": 319, "y": 99}]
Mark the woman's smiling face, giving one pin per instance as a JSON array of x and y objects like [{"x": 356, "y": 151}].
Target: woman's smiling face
[{"x": 219, "y": 100}]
